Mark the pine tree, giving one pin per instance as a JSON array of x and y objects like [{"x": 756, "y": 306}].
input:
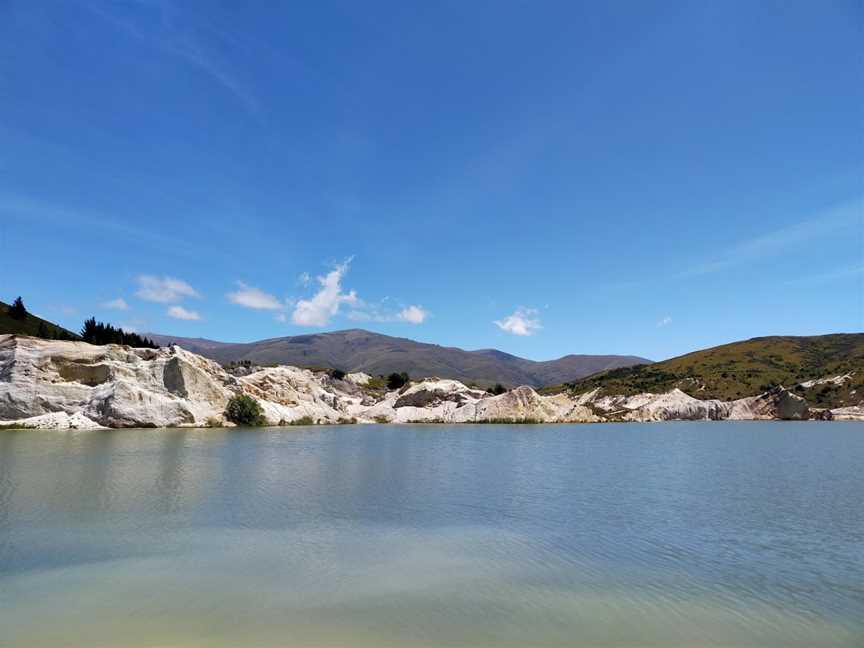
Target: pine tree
[
  {"x": 43, "y": 331},
  {"x": 98, "y": 333},
  {"x": 17, "y": 310}
]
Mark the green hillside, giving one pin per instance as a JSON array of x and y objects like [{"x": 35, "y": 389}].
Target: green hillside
[
  {"x": 748, "y": 368},
  {"x": 31, "y": 324}
]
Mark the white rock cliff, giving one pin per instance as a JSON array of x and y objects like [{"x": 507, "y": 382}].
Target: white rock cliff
[{"x": 58, "y": 384}]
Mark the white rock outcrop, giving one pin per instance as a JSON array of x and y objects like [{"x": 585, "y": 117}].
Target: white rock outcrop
[
  {"x": 358, "y": 378},
  {"x": 74, "y": 385}
]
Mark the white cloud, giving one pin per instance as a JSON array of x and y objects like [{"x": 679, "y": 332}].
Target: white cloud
[
  {"x": 281, "y": 317},
  {"x": 164, "y": 290},
  {"x": 252, "y": 297},
  {"x": 116, "y": 304},
  {"x": 665, "y": 321},
  {"x": 521, "y": 322},
  {"x": 318, "y": 310},
  {"x": 371, "y": 312},
  {"x": 413, "y": 314},
  {"x": 304, "y": 279},
  {"x": 178, "y": 312}
]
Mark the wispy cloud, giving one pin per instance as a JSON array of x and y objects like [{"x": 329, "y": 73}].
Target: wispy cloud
[
  {"x": 413, "y": 314},
  {"x": 320, "y": 308},
  {"x": 178, "y": 312},
  {"x": 251, "y": 297},
  {"x": 371, "y": 312},
  {"x": 164, "y": 290},
  {"x": 30, "y": 210},
  {"x": 523, "y": 321},
  {"x": 782, "y": 240},
  {"x": 664, "y": 321},
  {"x": 837, "y": 274},
  {"x": 116, "y": 304},
  {"x": 163, "y": 27}
]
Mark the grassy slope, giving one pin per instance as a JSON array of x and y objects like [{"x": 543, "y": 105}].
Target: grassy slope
[
  {"x": 27, "y": 326},
  {"x": 747, "y": 368}
]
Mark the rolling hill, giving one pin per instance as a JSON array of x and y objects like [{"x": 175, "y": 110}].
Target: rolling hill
[
  {"x": 827, "y": 370},
  {"x": 30, "y": 325},
  {"x": 373, "y": 353}
]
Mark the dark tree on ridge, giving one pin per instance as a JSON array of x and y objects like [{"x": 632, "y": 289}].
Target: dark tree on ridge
[
  {"x": 17, "y": 310},
  {"x": 98, "y": 333}
]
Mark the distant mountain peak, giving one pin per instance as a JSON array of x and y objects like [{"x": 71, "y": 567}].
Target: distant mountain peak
[{"x": 375, "y": 353}]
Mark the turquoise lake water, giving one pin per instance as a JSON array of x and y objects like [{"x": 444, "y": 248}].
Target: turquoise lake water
[{"x": 672, "y": 534}]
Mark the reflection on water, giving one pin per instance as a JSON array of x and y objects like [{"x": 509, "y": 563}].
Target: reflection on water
[{"x": 614, "y": 535}]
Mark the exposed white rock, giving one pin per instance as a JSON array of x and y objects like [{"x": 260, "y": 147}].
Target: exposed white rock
[
  {"x": 677, "y": 405},
  {"x": 778, "y": 403},
  {"x": 662, "y": 407},
  {"x": 833, "y": 380},
  {"x": 525, "y": 404},
  {"x": 115, "y": 386},
  {"x": 358, "y": 378},
  {"x": 288, "y": 394},
  {"x": 77, "y": 385},
  {"x": 853, "y": 413},
  {"x": 57, "y": 421}
]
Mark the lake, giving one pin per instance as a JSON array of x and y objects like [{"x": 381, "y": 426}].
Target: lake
[{"x": 667, "y": 534}]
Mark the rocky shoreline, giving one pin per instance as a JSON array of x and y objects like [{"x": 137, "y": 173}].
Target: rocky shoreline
[{"x": 60, "y": 384}]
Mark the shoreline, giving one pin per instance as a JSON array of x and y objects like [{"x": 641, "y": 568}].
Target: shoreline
[
  {"x": 75, "y": 385},
  {"x": 305, "y": 427}
]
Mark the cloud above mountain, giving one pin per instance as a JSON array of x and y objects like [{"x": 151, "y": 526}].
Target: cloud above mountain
[
  {"x": 413, "y": 314},
  {"x": 178, "y": 312},
  {"x": 164, "y": 290},
  {"x": 523, "y": 321},
  {"x": 324, "y": 304},
  {"x": 251, "y": 297}
]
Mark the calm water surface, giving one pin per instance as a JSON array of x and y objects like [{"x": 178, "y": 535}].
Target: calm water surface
[{"x": 632, "y": 535}]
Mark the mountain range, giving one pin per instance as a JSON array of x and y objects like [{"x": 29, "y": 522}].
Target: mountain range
[{"x": 376, "y": 354}]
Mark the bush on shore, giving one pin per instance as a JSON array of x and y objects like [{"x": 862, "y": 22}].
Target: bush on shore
[{"x": 244, "y": 410}]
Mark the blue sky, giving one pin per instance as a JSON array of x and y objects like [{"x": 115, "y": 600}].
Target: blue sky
[{"x": 540, "y": 177}]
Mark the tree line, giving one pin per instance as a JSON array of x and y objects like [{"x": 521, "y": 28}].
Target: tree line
[
  {"x": 93, "y": 332},
  {"x": 99, "y": 333}
]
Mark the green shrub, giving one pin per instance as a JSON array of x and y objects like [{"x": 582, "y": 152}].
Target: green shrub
[
  {"x": 303, "y": 420},
  {"x": 337, "y": 374},
  {"x": 244, "y": 410},
  {"x": 397, "y": 380},
  {"x": 497, "y": 390}
]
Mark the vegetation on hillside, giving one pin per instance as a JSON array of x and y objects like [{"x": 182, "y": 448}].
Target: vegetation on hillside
[
  {"x": 14, "y": 318},
  {"x": 745, "y": 369},
  {"x": 99, "y": 333}
]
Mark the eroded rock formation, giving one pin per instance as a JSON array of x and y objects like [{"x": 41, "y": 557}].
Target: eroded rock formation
[{"x": 61, "y": 384}]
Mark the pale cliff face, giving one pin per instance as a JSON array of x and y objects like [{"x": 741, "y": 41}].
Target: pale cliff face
[{"x": 77, "y": 385}]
